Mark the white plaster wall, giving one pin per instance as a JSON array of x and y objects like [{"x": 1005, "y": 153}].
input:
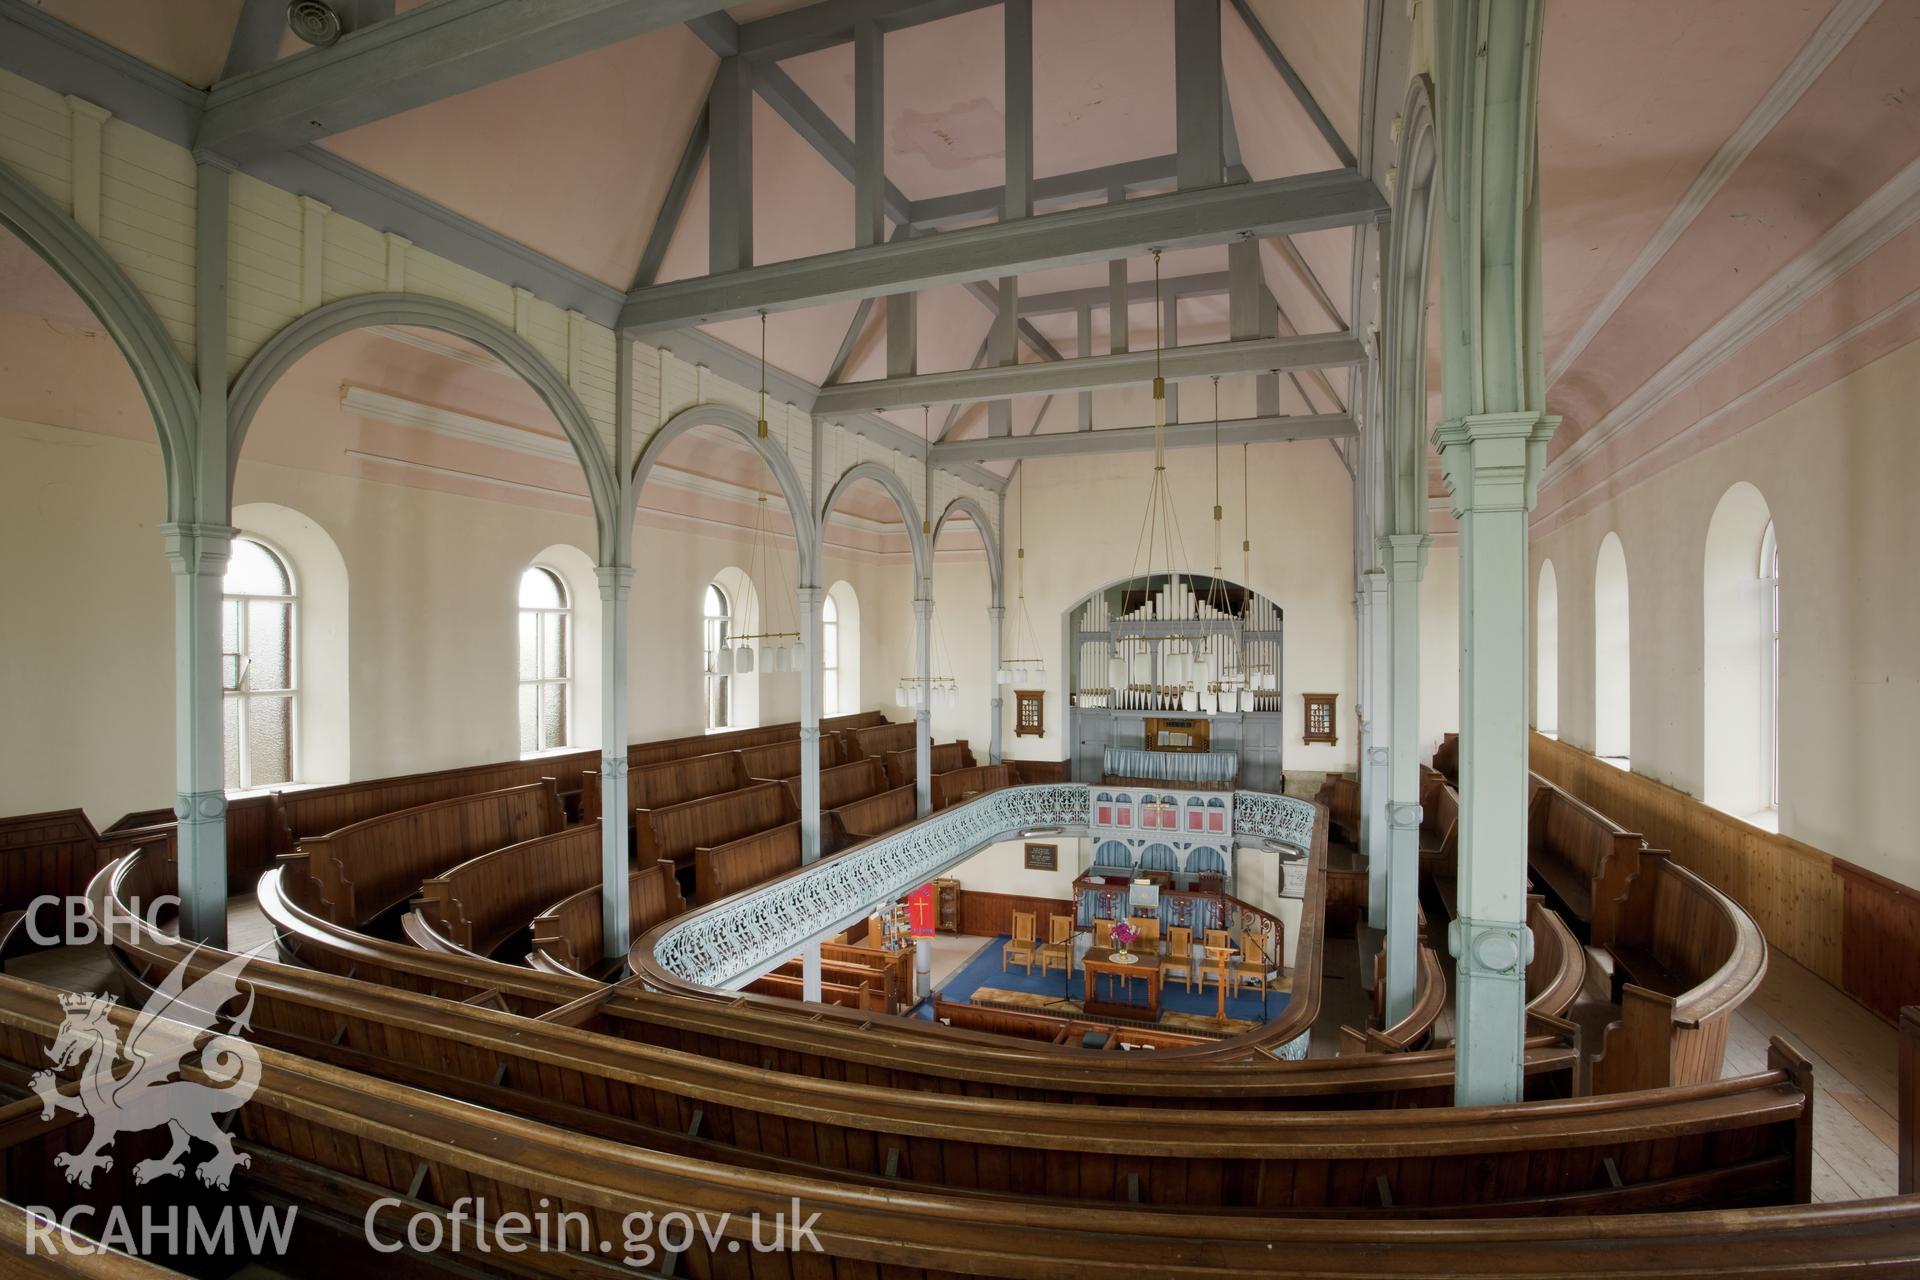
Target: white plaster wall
[
  {"x": 1836, "y": 470},
  {"x": 1002, "y": 868},
  {"x": 1439, "y": 648},
  {"x": 86, "y": 688},
  {"x": 1083, "y": 519}
]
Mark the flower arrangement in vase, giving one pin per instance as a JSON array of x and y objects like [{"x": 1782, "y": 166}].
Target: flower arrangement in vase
[{"x": 1123, "y": 937}]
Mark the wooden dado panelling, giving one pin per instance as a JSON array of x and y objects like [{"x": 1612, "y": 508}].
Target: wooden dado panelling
[
  {"x": 1853, "y": 928},
  {"x": 1880, "y": 951},
  {"x": 985, "y": 914}
]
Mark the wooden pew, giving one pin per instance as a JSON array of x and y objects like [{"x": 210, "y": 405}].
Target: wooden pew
[
  {"x": 1582, "y": 859},
  {"x": 674, "y": 833},
  {"x": 1685, "y": 957},
  {"x": 569, "y": 936},
  {"x": 1446, "y": 758},
  {"x": 877, "y": 740},
  {"x": 874, "y": 816},
  {"x": 875, "y": 1052},
  {"x": 955, "y": 785},
  {"x": 779, "y": 761},
  {"x": 56, "y": 855},
  {"x": 895, "y": 968},
  {"x": 295, "y": 816},
  {"x": 1728, "y": 1143},
  {"x": 1340, "y": 796},
  {"x": 1439, "y": 827},
  {"x": 743, "y": 863},
  {"x": 945, "y": 757},
  {"x": 486, "y": 902},
  {"x": 848, "y": 986},
  {"x": 359, "y": 1149},
  {"x": 655, "y": 786},
  {"x": 843, "y": 784},
  {"x": 1416, "y": 1029},
  {"x": 361, "y": 871},
  {"x": 1559, "y": 967},
  {"x": 1027, "y": 1024}
]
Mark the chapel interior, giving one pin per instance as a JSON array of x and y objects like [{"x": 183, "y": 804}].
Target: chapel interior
[{"x": 1169, "y": 637}]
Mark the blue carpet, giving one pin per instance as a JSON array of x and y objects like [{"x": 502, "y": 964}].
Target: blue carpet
[{"x": 984, "y": 971}]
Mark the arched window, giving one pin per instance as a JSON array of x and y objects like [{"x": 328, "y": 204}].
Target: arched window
[
  {"x": 1546, "y": 654},
  {"x": 257, "y": 667},
  {"x": 1612, "y": 656},
  {"x": 546, "y": 661},
  {"x": 716, "y": 621},
  {"x": 840, "y": 654},
  {"x": 829, "y": 657},
  {"x": 1770, "y": 710},
  {"x": 1740, "y": 667}
]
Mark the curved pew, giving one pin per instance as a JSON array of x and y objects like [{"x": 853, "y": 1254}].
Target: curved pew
[
  {"x": 1685, "y": 957},
  {"x": 1558, "y": 969},
  {"x": 358, "y": 873},
  {"x": 56, "y": 855},
  {"x": 743, "y": 863},
  {"x": 1730, "y": 1142},
  {"x": 569, "y": 936},
  {"x": 362, "y": 1149},
  {"x": 655, "y": 786},
  {"x": 674, "y": 833},
  {"x": 484, "y": 903},
  {"x": 873, "y": 1051},
  {"x": 1339, "y": 795},
  {"x": 877, "y": 740},
  {"x": 846, "y": 783},
  {"x": 945, "y": 757},
  {"x": 1412, "y": 1031}
]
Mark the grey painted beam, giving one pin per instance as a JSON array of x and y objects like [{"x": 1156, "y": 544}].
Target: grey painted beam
[
  {"x": 1169, "y": 338},
  {"x": 1083, "y": 332},
  {"x": 1279, "y": 207},
  {"x": 818, "y": 130},
  {"x": 847, "y": 344},
  {"x": 1334, "y": 141},
  {"x": 1131, "y": 176},
  {"x": 1299, "y": 264},
  {"x": 1017, "y": 195},
  {"x": 718, "y": 32},
  {"x": 432, "y": 52},
  {"x": 903, "y": 335},
  {"x": 730, "y": 171},
  {"x": 675, "y": 204},
  {"x": 1003, "y": 352},
  {"x": 1199, "y": 94},
  {"x": 831, "y": 22},
  {"x": 956, "y": 409},
  {"x": 1056, "y": 444},
  {"x": 1119, "y": 295},
  {"x": 869, "y": 130},
  {"x": 65, "y": 59},
  {"x": 1092, "y": 373}
]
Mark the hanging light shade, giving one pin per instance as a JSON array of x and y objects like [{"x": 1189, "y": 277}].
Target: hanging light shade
[
  {"x": 723, "y": 661},
  {"x": 743, "y": 659}
]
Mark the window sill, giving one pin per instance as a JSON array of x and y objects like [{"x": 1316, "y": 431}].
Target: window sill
[
  {"x": 255, "y": 793},
  {"x": 1621, "y": 763},
  {"x": 552, "y": 751}
]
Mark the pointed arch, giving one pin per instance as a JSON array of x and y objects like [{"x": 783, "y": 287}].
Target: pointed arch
[
  {"x": 909, "y": 512},
  {"x": 162, "y": 374},
  {"x": 286, "y": 348},
  {"x": 728, "y": 418}
]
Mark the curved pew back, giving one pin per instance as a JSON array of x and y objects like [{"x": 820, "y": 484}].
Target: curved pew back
[
  {"x": 56, "y": 855},
  {"x": 1685, "y": 957},
  {"x": 1583, "y": 858},
  {"x": 874, "y": 816},
  {"x": 484, "y": 902},
  {"x": 569, "y": 937},
  {"x": 877, "y": 740},
  {"x": 945, "y": 757},
  {"x": 359, "y": 872},
  {"x": 779, "y": 761},
  {"x": 1559, "y": 966},
  {"x": 843, "y": 784}
]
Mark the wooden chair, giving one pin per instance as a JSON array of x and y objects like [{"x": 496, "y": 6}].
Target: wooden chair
[
  {"x": 1021, "y": 948},
  {"x": 1103, "y": 933},
  {"x": 1059, "y": 948},
  {"x": 1149, "y": 930},
  {"x": 1179, "y": 961},
  {"x": 1250, "y": 969}
]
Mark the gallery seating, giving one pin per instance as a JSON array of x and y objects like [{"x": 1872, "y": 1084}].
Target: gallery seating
[
  {"x": 569, "y": 938},
  {"x": 778, "y": 761},
  {"x": 943, "y": 757},
  {"x": 1685, "y": 956},
  {"x": 956, "y": 785},
  {"x": 486, "y": 902},
  {"x": 56, "y": 855},
  {"x": 355, "y": 874},
  {"x": 1580, "y": 857},
  {"x": 743, "y": 863},
  {"x": 874, "y": 816},
  {"x": 1415, "y": 1030},
  {"x": 675, "y": 832},
  {"x": 656, "y": 786}
]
